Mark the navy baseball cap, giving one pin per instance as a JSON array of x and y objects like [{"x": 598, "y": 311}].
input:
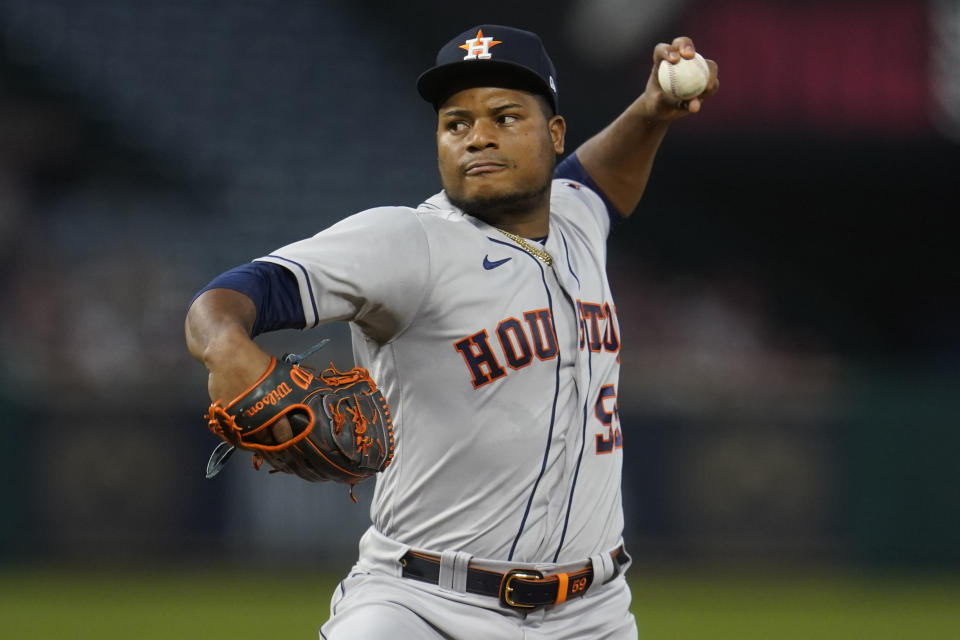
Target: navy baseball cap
[{"x": 490, "y": 55}]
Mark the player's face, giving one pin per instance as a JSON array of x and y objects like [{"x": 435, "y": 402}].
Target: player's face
[{"x": 496, "y": 151}]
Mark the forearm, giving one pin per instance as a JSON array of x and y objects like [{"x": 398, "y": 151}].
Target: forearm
[
  {"x": 217, "y": 330},
  {"x": 620, "y": 157}
]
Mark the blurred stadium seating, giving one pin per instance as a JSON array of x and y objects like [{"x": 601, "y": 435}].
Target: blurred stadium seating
[{"x": 788, "y": 291}]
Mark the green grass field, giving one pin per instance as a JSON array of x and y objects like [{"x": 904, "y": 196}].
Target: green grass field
[{"x": 234, "y": 605}]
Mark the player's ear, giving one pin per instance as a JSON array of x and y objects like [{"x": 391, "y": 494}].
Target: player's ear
[{"x": 558, "y": 131}]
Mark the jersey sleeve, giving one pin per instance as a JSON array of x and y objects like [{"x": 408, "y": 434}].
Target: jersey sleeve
[
  {"x": 582, "y": 207},
  {"x": 572, "y": 169},
  {"x": 371, "y": 268},
  {"x": 273, "y": 290}
]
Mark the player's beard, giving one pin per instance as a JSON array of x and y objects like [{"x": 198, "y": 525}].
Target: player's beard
[
  {"x": 501, "y": 207},
  {"x": 498, "y": 207}
]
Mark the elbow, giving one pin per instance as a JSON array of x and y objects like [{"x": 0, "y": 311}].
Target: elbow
[
  {"x": 192, "y": 331},
  {"x": 217, "y": 320}
]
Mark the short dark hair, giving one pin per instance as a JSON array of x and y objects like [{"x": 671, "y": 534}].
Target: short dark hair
[{"x": 545, "y": 107}]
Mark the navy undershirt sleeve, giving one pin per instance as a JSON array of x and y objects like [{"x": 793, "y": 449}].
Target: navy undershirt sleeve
[
  {"x": 571, "y": 169},
  {"x": 273, "y": 289}
]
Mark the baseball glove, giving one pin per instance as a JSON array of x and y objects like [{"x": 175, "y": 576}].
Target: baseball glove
[{"x": 342, "y": 430}]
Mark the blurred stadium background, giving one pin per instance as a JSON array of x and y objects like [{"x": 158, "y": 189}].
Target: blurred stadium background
[{"x": 788, "y": 292}]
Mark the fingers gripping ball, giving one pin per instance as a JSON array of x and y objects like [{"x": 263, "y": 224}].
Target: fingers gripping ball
[
  {"x": 342, "y": 428},
  {"x": 684, "y": 79}
]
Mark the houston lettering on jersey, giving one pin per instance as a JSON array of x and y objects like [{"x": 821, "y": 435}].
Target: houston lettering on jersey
[
  {"x": 598, "y": 326},
  {"x": 518, "y": 342}
]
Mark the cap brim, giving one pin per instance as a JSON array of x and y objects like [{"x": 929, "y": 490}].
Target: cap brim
[{"x": 440, "y": 82}]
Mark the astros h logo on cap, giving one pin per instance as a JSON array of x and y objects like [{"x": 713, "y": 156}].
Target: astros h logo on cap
[
  {"x": 479, "y": 46},
  {"x": 491, "y": 55}
]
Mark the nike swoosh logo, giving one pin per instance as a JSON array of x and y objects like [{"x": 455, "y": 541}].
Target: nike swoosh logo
[{"x": 493, "y": 265}]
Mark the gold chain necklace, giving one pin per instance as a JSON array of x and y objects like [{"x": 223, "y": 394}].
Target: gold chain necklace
[{"x": 539, "y": 254}]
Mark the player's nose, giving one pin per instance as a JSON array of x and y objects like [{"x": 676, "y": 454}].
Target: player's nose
[{"x": 483, "y": 135}]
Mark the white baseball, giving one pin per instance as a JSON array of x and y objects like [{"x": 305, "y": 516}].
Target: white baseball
[{"x": 685, "y": 79}]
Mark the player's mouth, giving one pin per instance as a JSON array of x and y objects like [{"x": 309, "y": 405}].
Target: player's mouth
[{"x": 480, "y": 167}]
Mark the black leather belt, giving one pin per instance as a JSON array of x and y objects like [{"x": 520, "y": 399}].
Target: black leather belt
[{"x": 517, "y": 588}]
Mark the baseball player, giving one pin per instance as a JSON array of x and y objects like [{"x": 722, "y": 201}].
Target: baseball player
[{"x": 485, "y": 316}]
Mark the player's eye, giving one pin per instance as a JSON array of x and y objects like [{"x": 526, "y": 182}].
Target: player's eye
[
  {"x": 456, "y": 126},
  {"x": 507, "y": 118}
]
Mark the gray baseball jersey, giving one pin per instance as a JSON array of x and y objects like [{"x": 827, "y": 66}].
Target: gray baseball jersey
[{"x": 501, "y": 372}]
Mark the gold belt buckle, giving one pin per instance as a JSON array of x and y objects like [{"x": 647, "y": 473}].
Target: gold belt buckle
[{"x": 506, "y": 591}]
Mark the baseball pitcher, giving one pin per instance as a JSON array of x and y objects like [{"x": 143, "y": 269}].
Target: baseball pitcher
[{"x": 487, "y": 346}]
